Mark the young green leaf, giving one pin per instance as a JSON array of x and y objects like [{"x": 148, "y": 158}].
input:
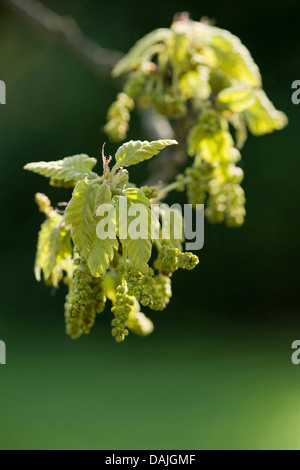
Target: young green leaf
[
  {"x": 69, "y": 169},
  {"x": 211, "y": 147},
  {"x": 80, "y": 214},
  {"x": 240, "y": 130},
  {"x": 136, "y": 196},
  {"x": 195, "y": 83},
  {"x": 172, "y": 226},
  {"x": 217, "y": 147},
  {"x": 195, "y": 135},
  {"x": 105, "y": 242},
  {"x": 261, "y": 117},
  {"x": 136, "y": 53},
  {"x": 230, "y": 55},
  {"x": 103, "y": 195},
  {"x": 136, "y": 151},
  {"x": 54, "y": 250},
  {"x": 101, "y": 255},
  {"x": 138, "y": 251},
  {"x": 236, "y": 99}
]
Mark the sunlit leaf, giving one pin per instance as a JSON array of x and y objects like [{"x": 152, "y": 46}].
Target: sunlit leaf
[
  {"x": 136, "y": 53},
  {"x": 103, "y": 195},
  {"x": 231, "y": 55},
  {"x": 69, "y": 169},
  {"x": 210, "y": 146},
  {"x": 80, "y": 214},
  {"x": 54, "y": 251},
  {"x": 173, "y": 225},
  {"x": 138, "y": 250},
  {"x": 262, "y": 117},
  {"x": 236, "y": 99},
  {"x": 136, "y": 151},
  {"x": 195, "y": 84},
  {"x": 101, "y": 255},
  {"x": 136, "y": 196}
]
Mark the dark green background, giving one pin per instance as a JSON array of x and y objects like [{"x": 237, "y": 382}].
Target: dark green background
[{"x": 217, "y": 371}]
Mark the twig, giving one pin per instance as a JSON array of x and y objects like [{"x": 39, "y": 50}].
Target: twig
[
  {"x": 64, "y": 31},
  {"x": 166, "y": 167}
]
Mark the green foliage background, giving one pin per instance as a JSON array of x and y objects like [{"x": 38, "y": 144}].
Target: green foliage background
[{"x": 217, "y": 372}]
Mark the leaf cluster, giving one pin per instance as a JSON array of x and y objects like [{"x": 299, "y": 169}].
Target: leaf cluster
[
  {"x": 71, "y": 246},
  {"x": 205, "y": 79}
]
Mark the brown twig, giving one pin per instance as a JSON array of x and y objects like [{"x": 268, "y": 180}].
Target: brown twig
[
  {"x": 165, "y": 168},
  {"x": 64, "y": 31}
]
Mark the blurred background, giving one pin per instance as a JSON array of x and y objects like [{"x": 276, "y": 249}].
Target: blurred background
[{"x": 217, "y": 371}]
